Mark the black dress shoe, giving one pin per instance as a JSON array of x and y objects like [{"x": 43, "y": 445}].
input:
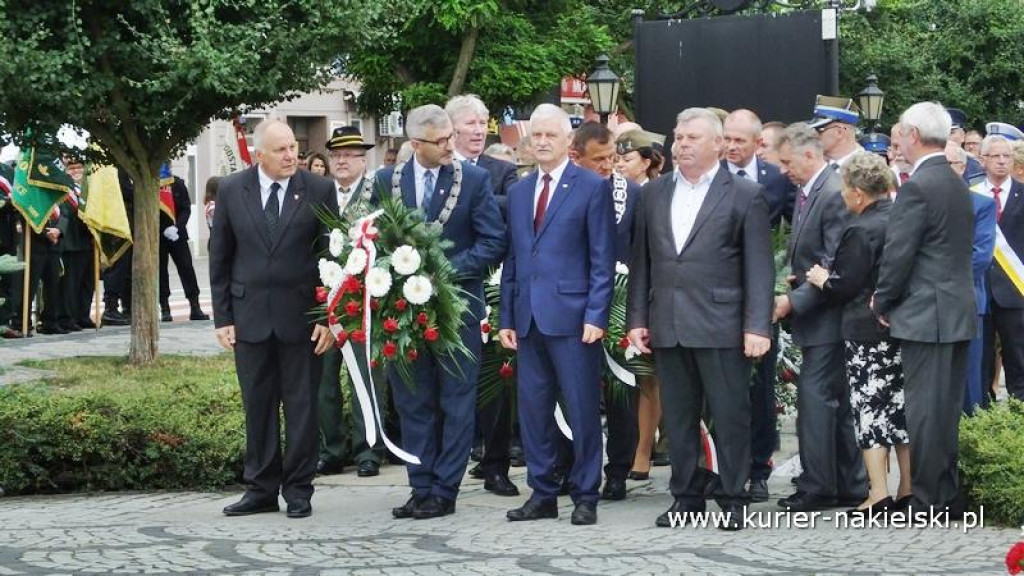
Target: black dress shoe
[
  {"x": 758, "y": 490},
  {"x": 585, "y": 514},
  {"x": 325, "y": 468},
  {"x": 165, "y": 316},
  {"x": 434, "y": 507},
  {"x": 113, "y": 318},
  {"x": 70, "y": 326},
  {"x": 679, "y": 507},
  {"x": 197, "y": 314},
  {"x": 299, "y": 509},
  {"x": 614, "y": 489},
  {"x": 51, "y": 329},
  {"x": 732, "y": 517},
  {"x": 634, "y": 475},
  {"x": 901, "y": 504},
  {"x": 500, "y": 484},
  {"x": 806, "y": 502},
  {"x": 86, "y": 323},
  {"x": 877, "y": 509},
  {"x": 406, "y": 510},
  {"x": 250, "y": 505},
  {"x": 534, "y": 509},
  {"x": 477, "y": 472},
  {"x": 368, "y": 468}
]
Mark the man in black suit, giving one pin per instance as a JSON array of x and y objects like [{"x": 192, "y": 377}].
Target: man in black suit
[
  {"x": 700, "y": 296},
  {"x": 742, "y": 129},
  {"x": 1006, "y": 302},
  {"x": 494, "y": 420},
  {"x": 77, "y": 283},
  {"x": 924, "y": 287},
  {"x": 833, "y": 470},
  {"x": 263, "y": 277},
  {"x": 174, "y": 246}
]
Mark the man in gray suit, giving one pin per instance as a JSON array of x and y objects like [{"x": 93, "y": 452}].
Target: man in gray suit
[
  {"x": 700, "y": 296},
  {"x": 833, "y": 469},
  {"x": 924, "y": 287}
]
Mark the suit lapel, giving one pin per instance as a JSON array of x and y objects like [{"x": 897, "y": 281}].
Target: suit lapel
[
  {"x": 254, "y": 205},
  {"x": 557, "y": 197},
  {"x": 294, "y": 197},
  {"x": 720, "y": 186},
  {"x": 663, "y": 206},
  {"x": 812, "y": 197},
  {"x": 408, "y": 185},
  {"x": 441, "y": 190},
  {"x": 526, "y": 206}
]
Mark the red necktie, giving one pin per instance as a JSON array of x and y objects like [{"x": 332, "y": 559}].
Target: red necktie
[
  {"x": 904, "y": 177},
  {"x": 542, "y": 204},
  {"x": 996, "y": 191}
]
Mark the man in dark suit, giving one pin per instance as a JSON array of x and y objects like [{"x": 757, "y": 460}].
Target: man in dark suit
[
  {"x": 700, "y": 296},
  {"x": 833, "y": 469},
  {"x": 174, "y": 246},
  {"x": 263, "y": 278},
  {"x": 556, "y": 290},
  {"x": 924, "y": 284},
  {"x": 742, "y": 130},
  {"x": 77, "y": 283},
  {"x": 469, "y": 117},
  {"x": 436, "y": 409},
  {"x": 1006, "y": 302}
]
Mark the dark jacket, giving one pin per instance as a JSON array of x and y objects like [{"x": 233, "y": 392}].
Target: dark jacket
[
  {"x": 503, "y": 176},
  {"x": 182, "y": 211},
  {"x": 1012, "y": 224}
]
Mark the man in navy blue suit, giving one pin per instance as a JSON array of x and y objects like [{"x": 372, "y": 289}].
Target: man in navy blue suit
[
  {"x": 742, "y": 129},
  {"x": 436, "y": 410},
  {"x": 556, "y": 292}
]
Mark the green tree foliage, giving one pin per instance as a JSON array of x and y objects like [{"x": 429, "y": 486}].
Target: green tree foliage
[
  {"x": 963, "y": 53},
  {"x": 508, "y": 53},
  {"x": 144, "y": 77}
]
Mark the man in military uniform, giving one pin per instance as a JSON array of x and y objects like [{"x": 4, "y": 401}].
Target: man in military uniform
[
  {"x": 174, "y": 246},
  {"x": 835, "y": 120}
]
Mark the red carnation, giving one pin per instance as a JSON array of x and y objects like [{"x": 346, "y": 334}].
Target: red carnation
[
  {"x": 352, "y": 308},
  {"x": 341, "y": 338},
  {"x": 374, "y": 304},
  {"x": 485, "y": 328},
  {"x": 506, "y": 371},
  {"x": 624, "y": 343},
  {"x": 1014, "y": 558},
  {"x": 422, "y": 319},
  {"x": 321, "y": 294},
  {"x": 413, "y": 354},
  {"x": 358, "y": 336},
  {"x": 390, "y": 325},
  {"x": 787, "y": 375},
  {"x": 332, "y": 319},
  {"x": 430, "y": 334},
  {"x": 351, "y": 285},
  {"x": 389, "y": 349},
  {"x": 401, "y": 304}
]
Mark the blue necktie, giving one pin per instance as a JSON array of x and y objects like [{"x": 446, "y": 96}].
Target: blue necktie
[{"x": 428, "y": 190}]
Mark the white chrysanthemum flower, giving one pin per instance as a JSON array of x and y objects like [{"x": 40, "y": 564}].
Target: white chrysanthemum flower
[
  {"x": 356, "y": 261},
  {"x": 331, "y": 273},
  {"x": 355, "y": 231},
  {"x": 405, "y": 260},
  {"x": 378, "y": 282},
  {"x": 631, "y": 352},
  {"x": 621, "y": 268},
  {"x": 337, "y": 242},
  {"x": 417, "y": 290}
]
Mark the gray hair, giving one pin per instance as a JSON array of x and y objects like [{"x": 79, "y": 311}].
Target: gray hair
[
  {"x": 991, "y": 139},
  {"x": 261, "y": 130},
  {"x": 424, "y": 117},
  {"x": 800, "y": 136},
  {"x": 931, "y": 121},
  {"x": 547, "y": 111},
  {"x": 704, "y": 114},
  {"x": 869, "y": 173},
  {"x": 747, "y": 116},
  {"x": 464, "y": 105}
]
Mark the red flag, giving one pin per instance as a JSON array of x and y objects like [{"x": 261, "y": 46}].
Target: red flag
[{"x": 243, "y": 147}]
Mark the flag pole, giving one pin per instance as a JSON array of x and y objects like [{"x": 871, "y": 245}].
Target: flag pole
[
  {"x": 96, "y": 283},
  {"x": 26, "y": 303}
]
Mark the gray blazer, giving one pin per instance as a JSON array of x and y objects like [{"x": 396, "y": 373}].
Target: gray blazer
[
  {"x": 926, "y": 279},
  {"x": 720, "y": 285},
  {"x": 816, "y": 320}
]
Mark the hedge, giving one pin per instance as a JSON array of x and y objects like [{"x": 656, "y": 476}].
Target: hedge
[{"x": 992, "y": 461}]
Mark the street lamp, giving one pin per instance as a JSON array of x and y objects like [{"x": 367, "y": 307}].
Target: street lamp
[
  {"x": 870, "y": 100},
  {"x": 603, "y": 85}
]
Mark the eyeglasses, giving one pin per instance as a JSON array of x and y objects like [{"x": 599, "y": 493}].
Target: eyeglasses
[
  {"x": 344, "y": 155},
  {"x": 440, "y": 142},
  {"x": 998, "y": 156},
  {"x": 827, "y": 127}
]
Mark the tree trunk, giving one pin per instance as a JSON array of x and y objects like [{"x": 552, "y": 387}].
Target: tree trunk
[
  {"x": 462, "y": 66},
  {"x": 145, "y": 276}
]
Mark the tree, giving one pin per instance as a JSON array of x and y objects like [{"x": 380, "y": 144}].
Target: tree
[
  {"x": 508, "y": 53},
  {"x": 144, "y": 77}
]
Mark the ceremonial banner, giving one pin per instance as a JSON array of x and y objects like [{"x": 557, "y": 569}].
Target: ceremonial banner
[
  {"x": 166, "y": 196},
  {"x": 40, "y": 184},
  {"x": 1009, "y": 261},
  {"x": 105, "y": 215}
]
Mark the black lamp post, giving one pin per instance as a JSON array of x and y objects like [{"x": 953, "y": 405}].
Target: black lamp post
[
  {"x": 603, "y": 85},
  {"x": 870, "y": 100}
]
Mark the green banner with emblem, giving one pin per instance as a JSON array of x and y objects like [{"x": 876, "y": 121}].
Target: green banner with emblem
[{"x": 40, "y": 184}]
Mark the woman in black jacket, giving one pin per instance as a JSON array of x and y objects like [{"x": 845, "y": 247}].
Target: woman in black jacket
[{"x": 873, "y": 365}]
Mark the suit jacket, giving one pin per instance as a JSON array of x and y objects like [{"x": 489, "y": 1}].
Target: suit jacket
[
  {"x": 503, "y": 176},
  {"x": 779, "y": 191},
  {"x": 562, "y": 276},
  {"x": 474, "y": 228},
  {"x": 264, "y": 285},
  {"x": 855, "y": 272},
  {"x": 1012, "y": 224},
  {"x": 983, "y": 246},
  {"x": 74, "y": 234},
  {"x": 182, "y": 211},
  {"x": 926, "y": 266},
  {"x": 720, "y": 285},
  {"x": 816, "y": 320}
]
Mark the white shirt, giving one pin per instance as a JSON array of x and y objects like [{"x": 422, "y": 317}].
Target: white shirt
[
  {"x": 556, "y": 176},
  {"x": 687, "y": 199},
  {"x": 749, "y": 171},
  {"x": 420, "y": 172},
  {"x": 344, "y": 199},
  {"x": 1004, "y": 191},
  {"x": 926, "y": 157},
  {"x": 265, "y": 183}
]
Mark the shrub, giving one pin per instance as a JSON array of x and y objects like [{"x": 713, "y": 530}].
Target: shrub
[
  {"x": 991, "y": 460},
  {"x": 102, "y": 424}
]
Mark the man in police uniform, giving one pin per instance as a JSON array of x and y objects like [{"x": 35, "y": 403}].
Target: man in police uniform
[
  {"x": 835, "y": 120},
  {"x": 876, "y": 143}
]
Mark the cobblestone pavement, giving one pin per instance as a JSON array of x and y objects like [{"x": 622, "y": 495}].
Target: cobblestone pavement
[{"x": 352, "y": 532}]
